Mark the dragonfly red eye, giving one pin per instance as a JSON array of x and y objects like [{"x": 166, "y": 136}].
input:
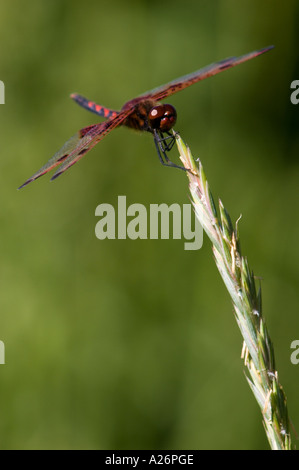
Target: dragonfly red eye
[{"x": 162, "y": 117}]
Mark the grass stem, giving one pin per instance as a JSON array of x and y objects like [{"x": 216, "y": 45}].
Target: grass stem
[{"x": 257, "y": 351}]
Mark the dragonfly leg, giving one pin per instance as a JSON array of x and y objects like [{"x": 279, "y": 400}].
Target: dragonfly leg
[
  {"x": 162, "y": 147},
  {"x": 164, "y": 141}
]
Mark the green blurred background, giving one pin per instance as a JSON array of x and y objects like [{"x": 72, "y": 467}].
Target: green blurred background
[{"x": 123, "y": 344}]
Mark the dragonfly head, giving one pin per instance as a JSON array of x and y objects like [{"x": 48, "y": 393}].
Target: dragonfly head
[{"x": 162, "y": 117}]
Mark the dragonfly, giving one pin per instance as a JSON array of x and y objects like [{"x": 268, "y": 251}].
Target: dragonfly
[{"x": 144, "y": 113}]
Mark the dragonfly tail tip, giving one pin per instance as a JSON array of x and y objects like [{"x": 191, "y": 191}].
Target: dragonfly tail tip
[
  {"x": 24, "y": 184},
  {"x": 55, "y": 176}
]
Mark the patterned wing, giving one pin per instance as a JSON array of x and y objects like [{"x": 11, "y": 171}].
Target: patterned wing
[
  {"x": 77, "y": 146},
  {"x": 94, "y": 107},
  {"x": 183, "y": 82}
]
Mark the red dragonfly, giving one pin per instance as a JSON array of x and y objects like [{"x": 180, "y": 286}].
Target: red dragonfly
[{"x": 143, "y": 113}]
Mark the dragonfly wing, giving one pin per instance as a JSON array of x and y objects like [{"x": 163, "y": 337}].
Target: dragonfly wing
[
  {"x": 59, "y": 157},
  {"x": 102, "y": 111},
  {"x": 89, "y": 140},
  {"x": 77, "y": 146},
  {"x": 213, "y": 69}
]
